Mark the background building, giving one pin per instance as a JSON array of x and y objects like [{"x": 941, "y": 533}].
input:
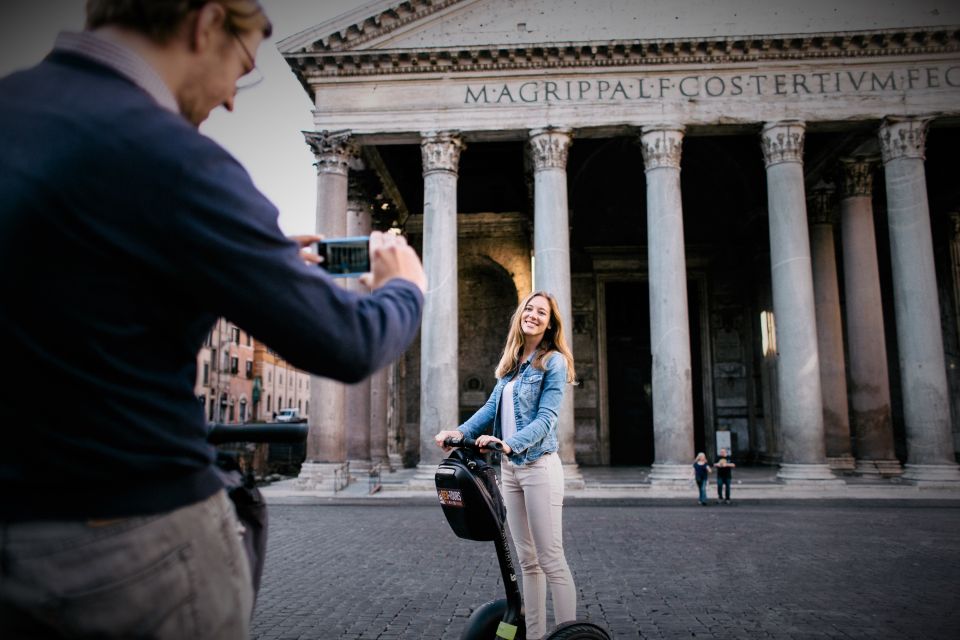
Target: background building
[
  {"x": 746, "y": 209},
  {"x": 241, "y": 380}
]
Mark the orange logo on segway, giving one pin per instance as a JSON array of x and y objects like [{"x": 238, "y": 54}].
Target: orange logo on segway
[{"x": 450, "y": 498}]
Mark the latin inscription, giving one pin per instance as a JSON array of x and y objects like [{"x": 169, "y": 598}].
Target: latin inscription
[{"x": 708, "y": 86}]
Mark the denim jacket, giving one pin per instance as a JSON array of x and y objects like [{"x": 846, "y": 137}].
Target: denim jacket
[{"x": 536, "y": 403}]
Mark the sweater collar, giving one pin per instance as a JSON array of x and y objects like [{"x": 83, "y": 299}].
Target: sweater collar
[{"x": 121, "y": 59}]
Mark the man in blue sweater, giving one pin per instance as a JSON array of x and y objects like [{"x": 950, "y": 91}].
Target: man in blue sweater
[{"x": 124, "y": 233}]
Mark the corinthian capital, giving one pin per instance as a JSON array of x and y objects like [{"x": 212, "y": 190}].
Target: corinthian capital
[
  {"x": 549, "y": 148},
  {"x": 440, "y": 151},
  {"x": 903, "y": 138},
  {"x": 782, "y": 142},
  {"x": 661, "y": 146},
  {"x": 335, "y": 151},
  {"x": 857, "y": 176},
  {"x": 821, "y": 209}
]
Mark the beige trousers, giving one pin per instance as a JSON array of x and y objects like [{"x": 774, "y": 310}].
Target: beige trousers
[
  {"x": 533, "y": 494},
  {"x": 181, "y": 575}
]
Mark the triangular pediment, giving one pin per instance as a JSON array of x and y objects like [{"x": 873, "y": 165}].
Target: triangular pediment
[{"x": 418, "y": 25}]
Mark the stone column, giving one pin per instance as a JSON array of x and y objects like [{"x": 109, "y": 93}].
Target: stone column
[
  {"x": 551, "y": 249},
  {"x": 866, "y": 345},
  {"x": 357, "y": 396},
  {"x": 826, "y": 291},
  {"x": 439, "y": 402},
  {"x": 923, "y": 377},
  {"x": 394, "y": 403},
  {"x": 326, "y": 441},
  {"x": 378, "y": 419},
  {"x": 798, "y": 366},
  {"x": 953, "y": 362},
  {"x": 669, "y": 321}
]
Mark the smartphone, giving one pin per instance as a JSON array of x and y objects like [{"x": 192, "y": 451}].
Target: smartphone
[{"x": 345, "y": 257}]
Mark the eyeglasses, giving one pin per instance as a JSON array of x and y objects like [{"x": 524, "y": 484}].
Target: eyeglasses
[{"x": 253, "y": 76}]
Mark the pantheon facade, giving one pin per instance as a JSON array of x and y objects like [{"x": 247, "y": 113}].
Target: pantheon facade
[{"x": 749, "y": 213}]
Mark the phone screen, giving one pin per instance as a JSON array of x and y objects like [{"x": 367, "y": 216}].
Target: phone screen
[{"x": 345, "y": 256}]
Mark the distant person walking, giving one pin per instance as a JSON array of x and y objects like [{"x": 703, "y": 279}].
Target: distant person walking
[
  {"x": 724, "y": 466},
  {"x": 701, "y": 470}
]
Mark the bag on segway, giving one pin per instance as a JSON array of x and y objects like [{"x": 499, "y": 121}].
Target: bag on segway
[{"x": 468, "y": 493}]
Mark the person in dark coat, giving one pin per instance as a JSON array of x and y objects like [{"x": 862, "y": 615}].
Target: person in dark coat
[
  {"x": 724, "y": 466},
  {"x": 124, "y": 234}
]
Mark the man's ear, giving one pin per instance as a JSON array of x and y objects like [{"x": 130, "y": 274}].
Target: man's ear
[{"x": 204, "y": 26}]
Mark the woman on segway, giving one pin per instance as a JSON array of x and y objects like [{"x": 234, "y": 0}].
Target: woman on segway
[{"x": 533, "y": 372}]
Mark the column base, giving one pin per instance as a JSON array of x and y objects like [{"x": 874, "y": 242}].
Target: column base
[
  {"x": 841, "y": 463},
  {"x": 359, "y": 469},
  {"x": 879, "y": 468},
  {"x": 396, "y": 461},
  {"x": 424, "y": 478},
  {"x": 818, "y": 474},
  {"x": 323, "y": 476},
  {"x": 572, "y": 478},
  {"x": 670, "y": 474},
  {"x": 769, "y": 459},
  {"x": 931, "y": 473}
]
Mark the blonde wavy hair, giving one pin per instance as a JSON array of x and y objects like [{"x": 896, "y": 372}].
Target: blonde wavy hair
[{"x": 554, "y": 340}]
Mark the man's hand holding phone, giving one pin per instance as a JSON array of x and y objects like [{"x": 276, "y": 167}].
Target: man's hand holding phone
[
  {"x": 376, "y": 260},
  {"x": 391, "y": 257}
]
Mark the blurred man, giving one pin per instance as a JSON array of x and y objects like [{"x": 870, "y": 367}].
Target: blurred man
[{"x": 124, "y": 234}]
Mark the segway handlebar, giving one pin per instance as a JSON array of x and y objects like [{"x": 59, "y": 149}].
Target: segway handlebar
[
  {"x": 470, "y": 443},
  {"x": 222, "y": 433}
]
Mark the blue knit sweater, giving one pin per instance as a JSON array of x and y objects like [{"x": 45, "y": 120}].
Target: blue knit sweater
[{"x": 124, "y": 233}]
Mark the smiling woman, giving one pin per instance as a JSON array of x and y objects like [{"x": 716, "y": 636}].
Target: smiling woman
[{"x": 520, "y": 418}]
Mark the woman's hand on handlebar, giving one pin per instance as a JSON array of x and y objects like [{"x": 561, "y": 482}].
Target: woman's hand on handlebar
[
  {"x": 443, "y": 435},
  {"x": 485, "y": 441}
]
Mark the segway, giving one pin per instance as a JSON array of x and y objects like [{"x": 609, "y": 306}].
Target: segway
[
  {"x": 472, "y": 503},
  {"x": 241, "y": 486}
]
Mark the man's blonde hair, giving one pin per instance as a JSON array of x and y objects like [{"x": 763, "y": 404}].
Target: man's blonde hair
[{"x": 160, "y": 19}]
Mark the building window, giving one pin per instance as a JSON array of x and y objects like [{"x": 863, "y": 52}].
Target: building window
[
  {"x": 269, "y": 408},
  {"x": 281, "y": 379},
  {"x": 213, "y": 357},
  {"x": 234, "y": 365},
  {"x": 206, "y": 373},
  {"x": 249, "y": 368},
  {"x": 243, "y": 409},
  {"x": 236, "y": 334}
]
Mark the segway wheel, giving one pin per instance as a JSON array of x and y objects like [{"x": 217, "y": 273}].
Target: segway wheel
[
  {"x": 484, "y": 623},
  {"x": 579, "y": 631}
]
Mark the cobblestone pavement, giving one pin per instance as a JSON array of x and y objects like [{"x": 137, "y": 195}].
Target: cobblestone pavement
[{"x": 644, "y": 569}]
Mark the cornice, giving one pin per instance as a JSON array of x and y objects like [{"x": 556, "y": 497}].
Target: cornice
[
  {"x": 372, "y": 27},
  {"x": 331, "y": 62}
]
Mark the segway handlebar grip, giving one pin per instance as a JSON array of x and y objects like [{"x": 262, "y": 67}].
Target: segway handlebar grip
[{"x": 469, "y": 443}]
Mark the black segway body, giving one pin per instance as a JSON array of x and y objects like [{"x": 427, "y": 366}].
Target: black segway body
[{"x": 471, "y": 502}]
